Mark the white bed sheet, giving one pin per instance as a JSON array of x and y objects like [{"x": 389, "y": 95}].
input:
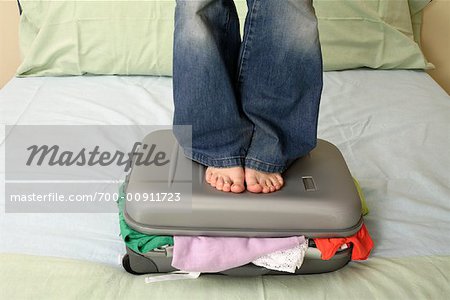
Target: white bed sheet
[{"x": 393, "y": 128}]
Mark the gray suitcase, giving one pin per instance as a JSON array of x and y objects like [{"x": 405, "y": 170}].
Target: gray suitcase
[{"x": 319, "y": 200}]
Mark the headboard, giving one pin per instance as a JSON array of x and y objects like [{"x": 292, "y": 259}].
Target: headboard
[
  {"x": 436, "y": 40},
  {"x": 9, "y": 40}
]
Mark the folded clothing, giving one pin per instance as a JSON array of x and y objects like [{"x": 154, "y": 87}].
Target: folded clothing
[
  {"x": 216, "y": 254},
  {"x": 361, "y": 241},
  {"x": 284, "y": 260},
  {"x": 136, "y": 241}
]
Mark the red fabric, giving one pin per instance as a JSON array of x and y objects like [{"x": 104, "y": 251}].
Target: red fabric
[{"x": 362, "y": 245}]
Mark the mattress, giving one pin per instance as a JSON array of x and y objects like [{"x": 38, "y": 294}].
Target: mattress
[{"x": 391, "y": 126}]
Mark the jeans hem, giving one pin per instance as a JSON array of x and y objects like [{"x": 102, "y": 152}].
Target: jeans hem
[
  {"x": 261, "y": 166},
  {"x": 225, "y": 162}
]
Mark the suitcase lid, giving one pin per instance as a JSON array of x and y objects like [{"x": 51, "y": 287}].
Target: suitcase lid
[{"x": 319, "y": 198}]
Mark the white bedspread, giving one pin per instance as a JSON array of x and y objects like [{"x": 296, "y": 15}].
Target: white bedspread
[{"x": 393, "y": 128}]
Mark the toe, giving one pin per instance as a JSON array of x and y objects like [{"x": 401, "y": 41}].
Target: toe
[
  {"x": 256, "y": 188},
  {"x": 270, "y": 185},
  {"x": 252, "y": 181},
  {"x": 275, "y": 183},
  {"x": 213, "y": 181},
  {"x": 238, "y": 187},
  {"x": 219, "y": 183},
  {"x": 265, "y": 190},
  {"x": 253, "y": 185},
  {"x": 280, "y": 179},
  {"x": 265, "y": 187},
  {"x": 226, "y": 184},
  {"x": 208, "y": 175}
]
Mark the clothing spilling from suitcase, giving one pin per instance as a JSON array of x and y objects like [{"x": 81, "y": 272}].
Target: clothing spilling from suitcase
[{"x": 308, "y": 236}]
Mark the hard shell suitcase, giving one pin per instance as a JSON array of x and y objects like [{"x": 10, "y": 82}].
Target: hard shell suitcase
[{"x": 318, "y": 200}]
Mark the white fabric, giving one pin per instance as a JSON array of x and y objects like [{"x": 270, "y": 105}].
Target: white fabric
[
  {"x": 284, "y": 260},
  {"x": 391, "y": 126}
]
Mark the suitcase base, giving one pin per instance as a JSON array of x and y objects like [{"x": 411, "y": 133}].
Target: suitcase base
[{"x": 160, "y": 262}]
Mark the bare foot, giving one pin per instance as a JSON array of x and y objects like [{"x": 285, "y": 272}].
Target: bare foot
[
  {"x": 226, "y": 179},
  {"x": 261, "y": 182}
]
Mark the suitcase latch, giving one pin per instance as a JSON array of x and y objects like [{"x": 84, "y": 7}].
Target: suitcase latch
[{"x": 309, "y": 184}]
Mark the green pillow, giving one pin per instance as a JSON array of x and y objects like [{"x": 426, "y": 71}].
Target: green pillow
[
  {"x": 97, "y": 37},
  {"x": 136, "y": 37},
  {"x": 367, "y": 33},
  {"x": 416, "y": 7}
]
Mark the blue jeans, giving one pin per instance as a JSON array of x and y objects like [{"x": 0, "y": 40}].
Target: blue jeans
[{"x": 253, "y": 103}]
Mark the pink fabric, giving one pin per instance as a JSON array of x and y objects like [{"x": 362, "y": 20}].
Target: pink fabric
[{"x": 215, "y": 254}]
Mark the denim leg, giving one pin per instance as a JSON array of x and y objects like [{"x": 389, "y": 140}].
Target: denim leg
[
  {"x": 206, "y": 50},
  {"x": 280, "y": 81}
]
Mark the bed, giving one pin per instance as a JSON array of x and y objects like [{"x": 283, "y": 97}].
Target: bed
[
  {"x": 391, "y": 126},
  {"x": 388, "y": 117}
]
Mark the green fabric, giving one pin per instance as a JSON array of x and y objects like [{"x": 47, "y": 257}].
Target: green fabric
[
  {"x": 74, "y": 37},
  {"x": 416, "y": 6},
  {"x": 364, "y": 208},
  {"x": 136, "y": 241},
  {"x": 367, "y": 33},
  {"x": 34, "y": 277}
]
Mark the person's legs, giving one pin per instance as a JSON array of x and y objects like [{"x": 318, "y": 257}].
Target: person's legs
[
  {"x": 206, "y": 50},
  {"x": 280, "y": 84}
]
